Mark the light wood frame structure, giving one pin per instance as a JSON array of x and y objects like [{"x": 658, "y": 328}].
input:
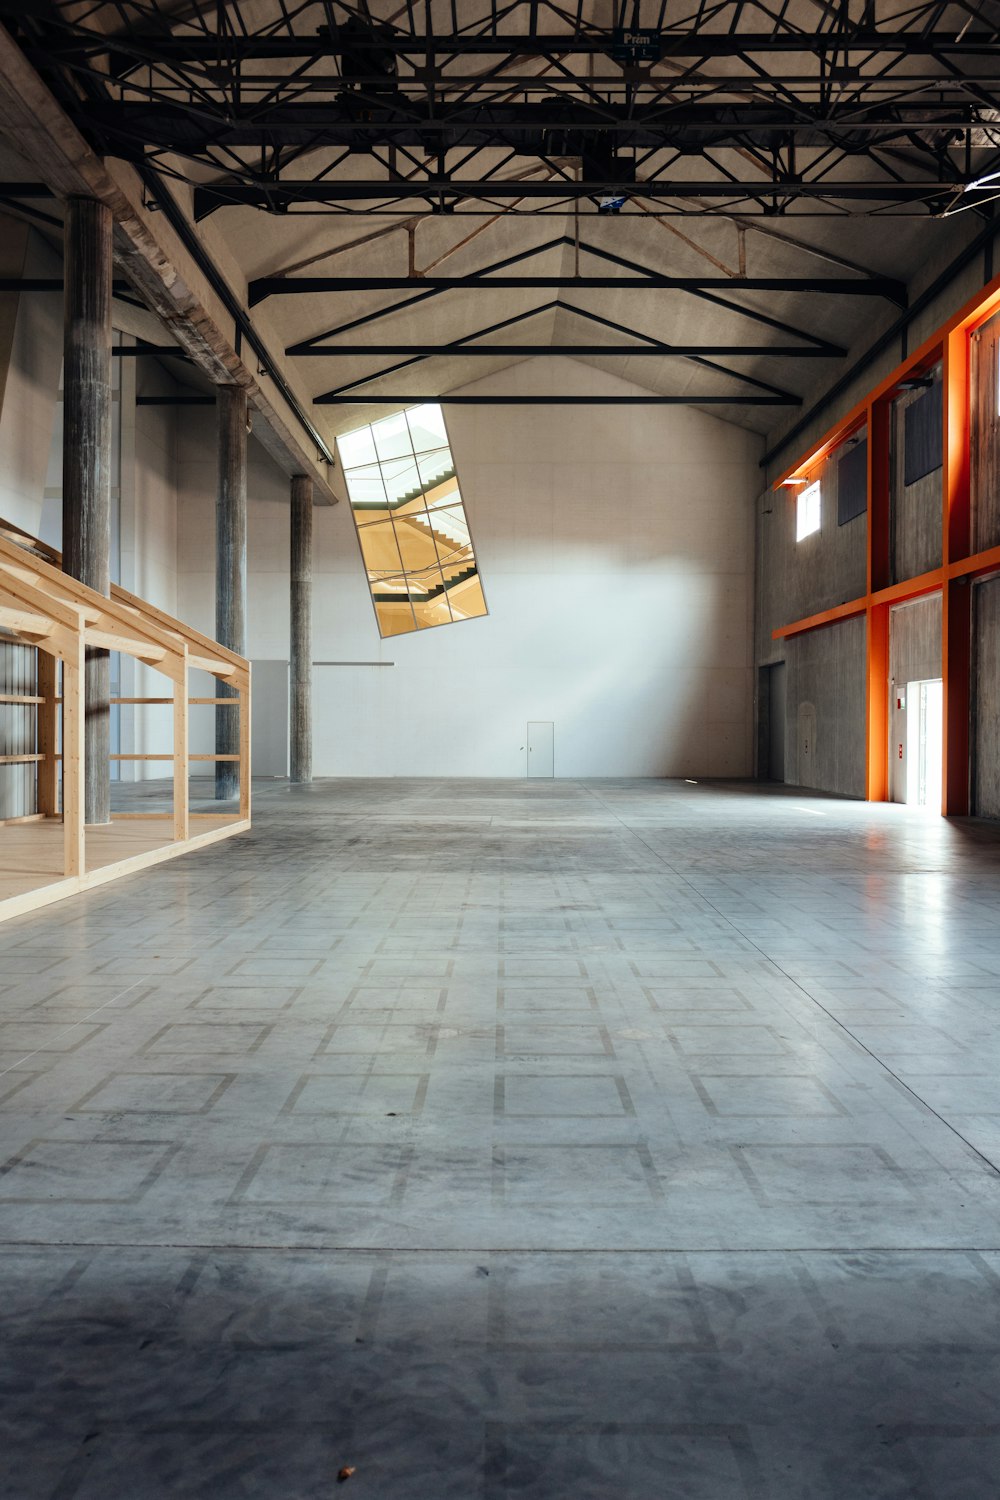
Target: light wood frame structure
[{"x": 43, "y": 607}]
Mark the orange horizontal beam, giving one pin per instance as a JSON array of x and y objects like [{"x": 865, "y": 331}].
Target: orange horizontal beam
[
  {"x": 987, "y": 561},
  {"x": 910, "y": 588},
  {"x": 825, "y": 617},
  {"x": 980, "y": 562}
]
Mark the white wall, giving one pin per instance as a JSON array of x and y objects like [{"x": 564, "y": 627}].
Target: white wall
[
  {"x": 615, "y": 548},
  {"x": 30, "y": 361}
]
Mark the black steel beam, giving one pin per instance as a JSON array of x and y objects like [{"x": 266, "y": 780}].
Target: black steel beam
[
  {"x": 153, "y": 351},
  {"x": 47, "y": 284},
  {"x": 554, "y": 126},
  {"x": 279, "y": 196},
  {"x": 525, "y": 351},
  {"x": 175, "y": 400},
  {"x": 839, "y": 286},
  {"x": 692, "y": 400},
  {"x": 25, "y": 190},
  {"x": 692, "y": 42},
  {"x": 245, "y": 329}
]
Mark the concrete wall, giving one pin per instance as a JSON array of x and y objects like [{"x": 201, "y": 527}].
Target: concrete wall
[
  {"x": 796, "y": 579},
  {"x": 615, "y": 548},
  {"x": 915, "y": 509},
  {"x": 30, "y": 361},
  {"x": 986, "y": 693},
  {"x": 824, "y": 735}
]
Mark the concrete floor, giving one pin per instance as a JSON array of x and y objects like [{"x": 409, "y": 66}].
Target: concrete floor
[{"x": 614, "y": 1141}]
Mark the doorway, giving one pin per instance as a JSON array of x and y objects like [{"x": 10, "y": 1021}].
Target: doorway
[
  {"x": 917, "y": 719},
  {"x": 772, "y": 708},
  {"x": 541, "y": 748},
  {"x": 924, "y": 729}
]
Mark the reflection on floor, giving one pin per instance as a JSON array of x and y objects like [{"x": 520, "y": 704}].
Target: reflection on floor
[{"x": 618, "y": 1139}]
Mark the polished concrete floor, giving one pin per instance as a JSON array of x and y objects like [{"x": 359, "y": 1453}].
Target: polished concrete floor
[{"x": 608, "y": 1141}]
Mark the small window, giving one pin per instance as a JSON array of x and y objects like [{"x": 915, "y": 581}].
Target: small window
[{"x": 807, "y": 512}]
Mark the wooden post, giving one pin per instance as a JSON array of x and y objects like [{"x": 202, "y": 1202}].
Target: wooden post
[
  {"x": 230, "y": 569},
  {"x": 300, "y": 719},
  {"x": 73, "y": 768},
  {"x": 245, "y": 769},
  {"x": 48, "y": 719},
  {"x": 182, "y": 808},
  {"x": 87, "y": 461}
]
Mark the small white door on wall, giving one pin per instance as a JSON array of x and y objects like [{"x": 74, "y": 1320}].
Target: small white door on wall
[
  {"x": 541, "y": 748},
  {"x": 806, "y": 724}
]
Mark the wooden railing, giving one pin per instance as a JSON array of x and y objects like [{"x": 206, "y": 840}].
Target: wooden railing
[{"x": 42, "y": 606}]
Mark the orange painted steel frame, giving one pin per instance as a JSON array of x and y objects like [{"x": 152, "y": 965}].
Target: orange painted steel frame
[{"x": 949, "y": 345}]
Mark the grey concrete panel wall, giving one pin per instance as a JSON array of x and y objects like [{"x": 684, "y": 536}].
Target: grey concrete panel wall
[
  {"x": 825, "y": 722},
  {"x": 795, "y": 579},
  {"x": 916, "y": 513},
  {"x": 17, "y": 730},
  {"x": 986, "y": 699},
  {"x": 985, "y": 414},
  {"x": 915, "y": 640}
]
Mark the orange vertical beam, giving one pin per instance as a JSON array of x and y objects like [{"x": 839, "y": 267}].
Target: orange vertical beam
[
  {"x": 956, "y": 530},
  {"x": 956, "y": 597},
  {"x": 876, "y": 615},
  {"x": 956, "y": 670},
  {"x": 877, "y": 704}
]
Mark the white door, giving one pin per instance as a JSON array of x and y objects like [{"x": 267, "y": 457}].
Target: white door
[
  {"x": 806, "y": 724},
  {"x": 541, "y": 748},
  {"x": 924, "y": 750}
]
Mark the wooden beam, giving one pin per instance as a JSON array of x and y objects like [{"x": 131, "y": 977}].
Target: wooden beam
[
  {"x": 245, "y": 762},
  {"x": 25, "y": 623},
  {"x": 182, "y": 809},
  {"x": 74, "y": 837},
  {"x": 48, "y": 770},
  {"x": 113, "y": 640}
]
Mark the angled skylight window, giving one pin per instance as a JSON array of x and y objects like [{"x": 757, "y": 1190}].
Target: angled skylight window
[{"x": 411, "y": 522}]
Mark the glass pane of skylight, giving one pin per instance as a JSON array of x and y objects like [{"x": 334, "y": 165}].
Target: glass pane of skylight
[
  {"x": 392, "y": 437},
  {"x": 364, "y": 491},
  {"x": 427, "y": 428},
  {"x": 357, "y": 448},
  {"x": 420, "y": 563}
]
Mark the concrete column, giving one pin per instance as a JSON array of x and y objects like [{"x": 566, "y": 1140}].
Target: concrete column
[
  {"x": 300, "y": 718},
  {"x": 87, "y": 462},
  {"x": 230, "y": 569}
]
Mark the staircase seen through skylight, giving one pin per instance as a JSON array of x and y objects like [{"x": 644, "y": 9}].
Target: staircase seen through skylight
[{"x": 411, "y": 522}]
